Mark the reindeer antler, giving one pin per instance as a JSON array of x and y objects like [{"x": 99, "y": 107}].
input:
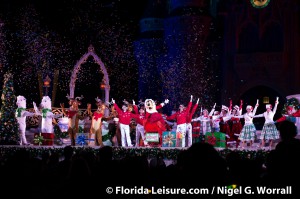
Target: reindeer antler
[
  {"x": 125, "y": 101},
  {"x": 68, "y": 96},
  {"x": 141, "y": 103},
  {"x": 79, "y": 98},
  {"x": 98, "y": 100}
]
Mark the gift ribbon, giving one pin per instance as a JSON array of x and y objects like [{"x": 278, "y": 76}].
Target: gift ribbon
[
  {"x": 38, "y": 139},
  {"x": 81, "y": 139}
]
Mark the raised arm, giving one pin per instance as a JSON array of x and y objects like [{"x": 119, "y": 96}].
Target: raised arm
[
  {"x": 276, "y": 104},
  {"x": 37, "y": 111},
  {"x": 63, "y": 109},
  {"x": 241, "y": 107},
  {"x": 162, "y": 104},
  {"x": 212, "y": 110},
  {"x": 194, "y": 108},
  {"x": 255, "y": 108},
  {"x": 27, "y": 113}
]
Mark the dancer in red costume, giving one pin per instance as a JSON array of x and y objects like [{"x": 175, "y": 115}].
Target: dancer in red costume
[
  {"x": 236, "y": 126},
  {"x": 189, "y": 128},
  {"x": 181, "y": 117}
]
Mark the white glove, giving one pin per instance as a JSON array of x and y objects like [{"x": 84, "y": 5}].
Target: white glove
[
  {"x": 197, "y": 101},
  {"x": 191, "y": 97},
  {"x": 256, "y": 103},
  {"x": 215, "y": 105},
  {"x": 113, "y": 101},
  {"x": 133, "y": 102},
  {"x": 166, "y": 101}
]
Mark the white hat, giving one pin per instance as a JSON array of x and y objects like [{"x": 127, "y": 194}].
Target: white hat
[
  {"x": 216, "y": 112},
  {"x": 249, "y": 107},
  {"x": 236, "y": 107},
  {"x": 268, "y": 106},
  {"x": 225, "y": 108}
]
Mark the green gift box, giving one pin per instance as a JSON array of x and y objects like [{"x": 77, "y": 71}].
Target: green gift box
[
  {"x": 217, "y": 139},
  {"x": 169, "y": 139}
]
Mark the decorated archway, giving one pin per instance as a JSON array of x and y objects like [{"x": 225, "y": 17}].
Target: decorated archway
[{"x": 83, "y": 59}]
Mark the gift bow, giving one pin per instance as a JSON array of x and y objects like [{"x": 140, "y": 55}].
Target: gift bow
[
  {"x": 168, "y": 139},
  {"x": 81, "y": 139},
  {"x": 38, "y": 139},
  {"x": 211, "y": 140}
]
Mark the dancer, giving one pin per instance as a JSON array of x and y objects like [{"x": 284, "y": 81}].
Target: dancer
[
  {"x": 224, "y": 125},
  {"x": 269, "y": 131},
  {"x": 74, "y": 116},
  {"x": 124, "y": 119},
  {"x": 189, "y": 128},
  {"x": 181, "y": 117},
  {"x": 21, "y": 115},
  {"x": 248, "y": 132},
  {"x": 205, "y": 120},
  {"x": 139, "y": 129},
  {"x": 236, "y": 125},
  {"x": 216, "y": 122}
]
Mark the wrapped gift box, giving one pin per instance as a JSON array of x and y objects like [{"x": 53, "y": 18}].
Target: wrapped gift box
[
  {"x": 217, "y": 139},
  {"x": 83, "y": 139},
  {"x": 169, "y": 139},
  {"x": 151, "y": 137},
  {"x": 44, "y": 139}
]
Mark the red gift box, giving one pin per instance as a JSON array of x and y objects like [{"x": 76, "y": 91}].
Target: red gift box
[{"x": 44, "y": 139}]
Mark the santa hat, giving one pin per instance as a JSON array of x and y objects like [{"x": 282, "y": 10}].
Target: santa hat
[
  {"x": 268, "y": 106},
  {"x": 236, "y": 107},
  {"x": 224, "y": 108},
  {"x": 249, "y": 107}
]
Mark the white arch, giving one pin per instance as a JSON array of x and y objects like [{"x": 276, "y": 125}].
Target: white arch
[{"x": 83, "y": 59}]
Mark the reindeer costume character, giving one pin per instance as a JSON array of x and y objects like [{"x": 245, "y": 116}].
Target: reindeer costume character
[
  {"x": 96, "y": 127},
  {"x": 74, "y": 117},
  {"x": 47, "y": 115},
  {"x": 21, "y": 115}
]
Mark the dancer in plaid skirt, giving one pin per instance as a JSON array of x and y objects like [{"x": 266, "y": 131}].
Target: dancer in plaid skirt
[
  {"x": 269, "y": 131},
  {"x": 248, "y": 132}
]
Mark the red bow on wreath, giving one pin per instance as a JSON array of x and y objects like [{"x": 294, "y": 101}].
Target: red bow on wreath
[{"x": 211, "y": 140}]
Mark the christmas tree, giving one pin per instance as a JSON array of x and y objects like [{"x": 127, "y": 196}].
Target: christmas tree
[{"x": 9, "y": 127}]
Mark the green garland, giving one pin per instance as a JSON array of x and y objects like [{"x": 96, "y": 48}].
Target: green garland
[
  {"x": 290, "y": 102},
  {"x": 121, "y": 152}
]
